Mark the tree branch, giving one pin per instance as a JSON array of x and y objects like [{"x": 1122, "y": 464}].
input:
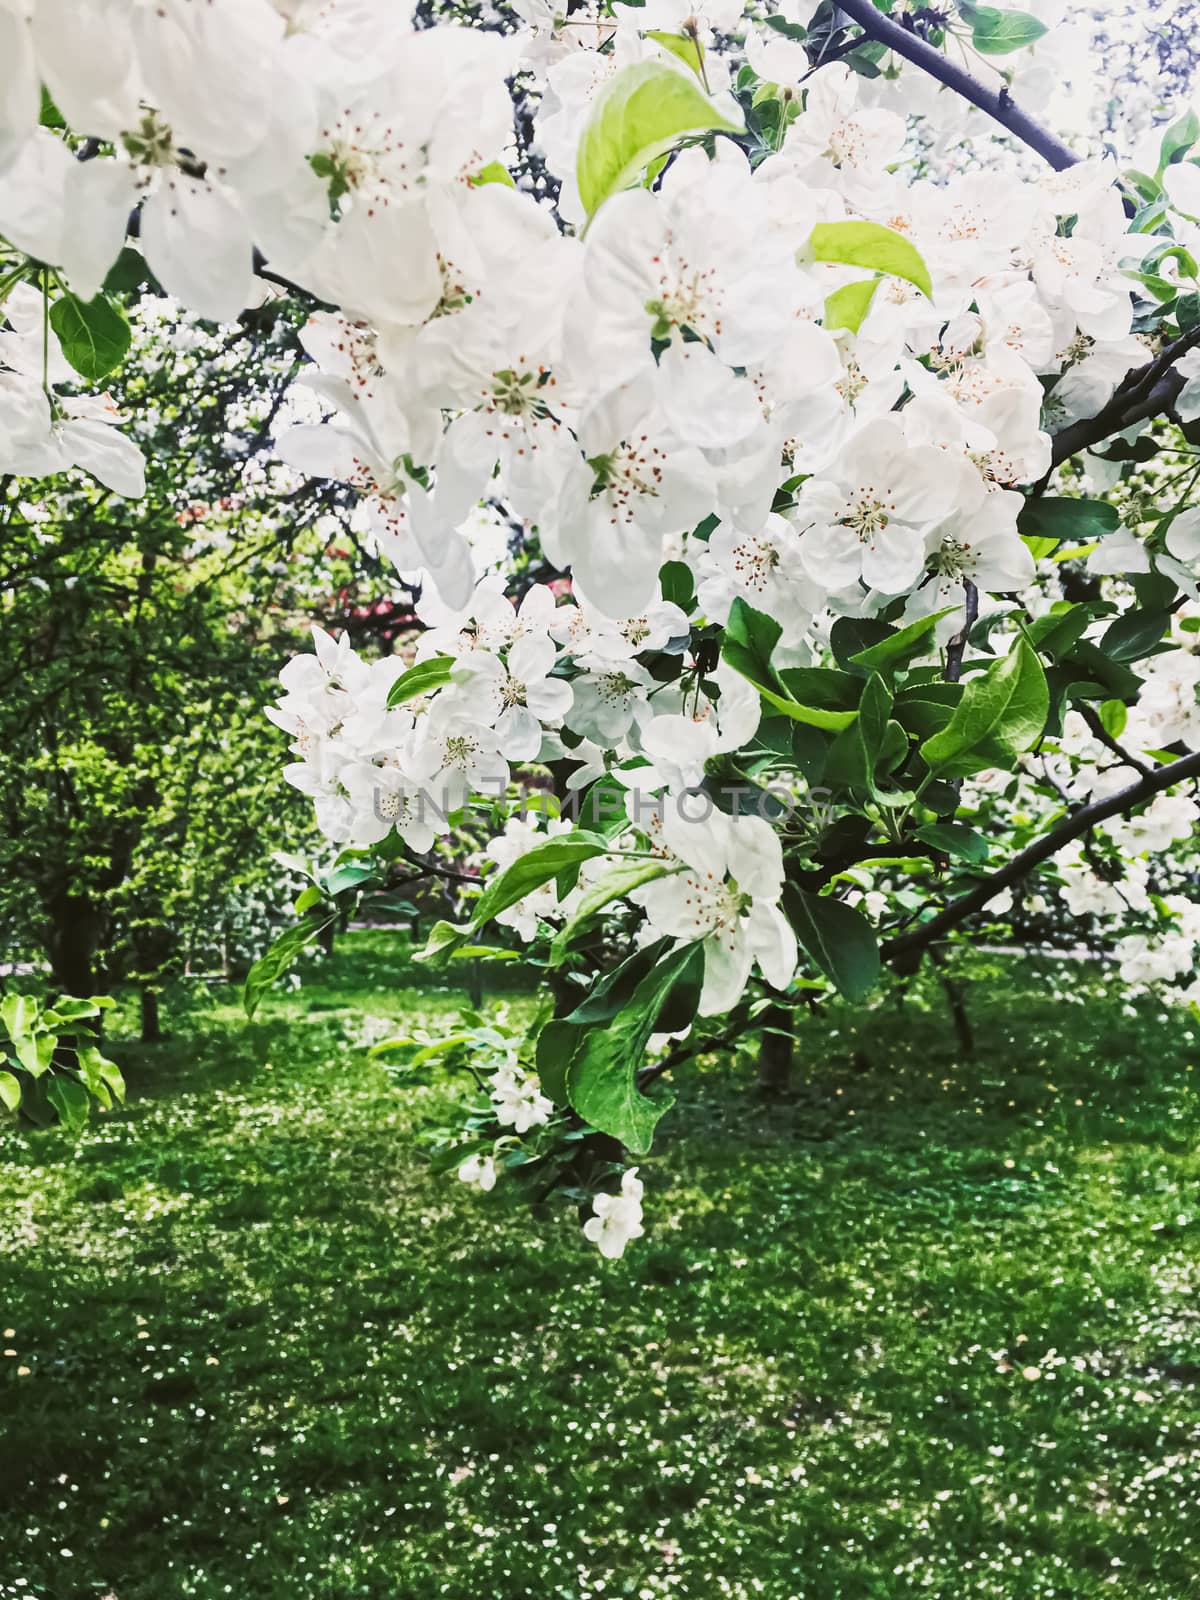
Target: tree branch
[
  {"x": 1099, "y": 731},
  {"x": 909, "y": 946},
  {"x": 998, "y": 104},
  {"x": 1147, "y": 391},
  {"x": 957, "y": 645}
]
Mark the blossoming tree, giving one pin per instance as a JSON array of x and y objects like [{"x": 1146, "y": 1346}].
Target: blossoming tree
[{"x": 789, "y": 435}]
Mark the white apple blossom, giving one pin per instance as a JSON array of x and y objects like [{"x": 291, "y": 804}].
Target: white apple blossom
[{"x": 618, "y": 1217}]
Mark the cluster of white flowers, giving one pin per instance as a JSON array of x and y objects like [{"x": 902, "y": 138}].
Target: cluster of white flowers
[{"x": 678, "y": 359}]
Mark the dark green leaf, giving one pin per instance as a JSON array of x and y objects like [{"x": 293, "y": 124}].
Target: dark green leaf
[
  {"x": 1134, "y": 635},
  {"x": 602, "y": 1077},
  {"x": 1054, "y": 517},
  {"x": 839, "y": 939},
  {"x": 94, "y": 334},
  {"x": 557, "y": 1044},
  {"x": 70, "y": 1100},
  {"x": 955, "y": 839},
  {"x": 268, "y": 969},
  {"x": 421, "y": 679}
]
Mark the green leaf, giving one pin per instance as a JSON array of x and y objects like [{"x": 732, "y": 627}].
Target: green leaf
[
  {"x": 493, "y": 172},
  {"x": 129, "y": 274},
  {"x": 677, "y": 584},
  {"x": 685, "y": 46},
  {"x": 846, "y": 307},
  {"x": 94, "y": 334},
  {"x": 1134, "y": 635},
  {"x": 70, "y": 1100},
  {"x": 824, "y": 688},
  {"x": 421, "y": 679},
  {"x": 556, "y": 1047},
  {"x": 445, "y": 938},
  {"x": 750, "y": 638},
  {"x": 790, "y": 30},
  {"x": 1001, "y": 714},
  {"x": 536, "y": 867},
  {"x": 602, "y": 1077},
  {"x": 926, "y": 708},
  {"x": 899, "y": 648},
  {"x": 852, "y": 759},
  {"x": 35, "y": 1052},
  {"x": 997, "y": 33},
  {"x": 626, "y": 875},
  {"x": 643, "y": 111},
  {"x": 269, "y": 968},
  {"x": 612, "y": 992},
  {"x": 1057, "y": 633},
  {"x": 101, "y": 1076},
  {"x": 307, "y": 899},
  {"x": 18, "y": 1012},
  {"x": 1114, "y": 714},
  {"x": 10, "y": 1091},
  {"x": 1179, "y": 138},
  {"x": 955, "y": 839},
  {"x": 1056, "y": 517},
  {"x": 839, "y": 939},
  {"x": 870, "y": 244}
]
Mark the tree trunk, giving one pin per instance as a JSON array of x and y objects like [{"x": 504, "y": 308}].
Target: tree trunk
[
  {"x": 475, "y": 984},
  {"x": 775, "y": 1052},
  {"x": 71, "y": 944},
  {"x": 956, "y": 1001},
  {"x": 151, "y": 1030}
]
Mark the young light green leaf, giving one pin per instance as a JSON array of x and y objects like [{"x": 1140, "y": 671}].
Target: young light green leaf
[
  {"x": 493, "y": 172},
  {"x": 10, "y": 1091},
  {"x": 94, "y": 334},
  {"x": 421, "y": 679},
  {"x": 1114, "y": 714},
  {"x": 445, "y": 938},
  {"x": 870, "y": 244},
  {"x": 686, "y": 47},
  {"x": 997, "y": 33},
  {"x": 1002, "y": 713},
  {"x": 846, "y": 307},
  {"x": 17, "y": 1013},
  {"x": 644, "y": 110},
  {"x": 35, "y": 1052}
]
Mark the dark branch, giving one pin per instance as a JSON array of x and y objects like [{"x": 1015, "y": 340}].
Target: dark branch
[
  {"x": 957, "y": 645},
  {"x": 1148, "y": 391},
  {"x": 1099, "y": 731},
  {"x": 908, "y": 947},
  {"x": 998, "y": 104}
]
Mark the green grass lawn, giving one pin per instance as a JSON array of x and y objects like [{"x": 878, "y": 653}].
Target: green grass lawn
[{"x": 928, "y": 1328}]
